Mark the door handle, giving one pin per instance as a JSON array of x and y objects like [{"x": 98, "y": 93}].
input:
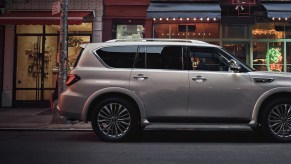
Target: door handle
[
  {"x": 140, "y": 77},
  {"x": 199, "y": 79}
]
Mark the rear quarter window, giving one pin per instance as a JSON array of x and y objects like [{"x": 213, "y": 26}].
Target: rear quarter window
[
  {"x": 79, "y": 56},
  {"x": 118, "y": 56}
]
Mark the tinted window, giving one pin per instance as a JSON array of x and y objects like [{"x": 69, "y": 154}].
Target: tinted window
[
  {"x": 118, "y": 56},
  {"x": 160, "y": 57},
  {"x": 207, "y": 59}
]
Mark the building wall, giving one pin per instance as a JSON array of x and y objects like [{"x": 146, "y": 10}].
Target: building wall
[{"x": 125, "y": 12}]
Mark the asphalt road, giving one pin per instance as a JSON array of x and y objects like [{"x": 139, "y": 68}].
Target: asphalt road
[{"x": 70, "y": 147}]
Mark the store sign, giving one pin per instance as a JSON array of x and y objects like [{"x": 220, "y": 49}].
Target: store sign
[{"x": 56, "y": 8}]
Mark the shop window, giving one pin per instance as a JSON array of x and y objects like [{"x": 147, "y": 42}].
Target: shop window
[
  {"x": 29, "y": 29},
  {"x": 84, "y": 28},
  {"x": 288, "y": 57},
  {"x": 129, "y": 31},
  {"x": 268, "y": 56},
  {"x": 235, "y": 31},
  {"x": 187, "y": 31},
  {"x": 268, "y": 31}
]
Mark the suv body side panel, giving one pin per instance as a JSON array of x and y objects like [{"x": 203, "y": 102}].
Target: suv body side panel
[
  {"x": 112, "y": 90},
  {"x": 222, "y": 95},
  {"x": 164, "y": 93},
  {"x": 93, "y": 79},
  {"x": 262, "y": 98}
]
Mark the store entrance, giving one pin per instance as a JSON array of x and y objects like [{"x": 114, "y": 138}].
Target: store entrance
[
  {"x": 241, "y": 50},
  {"x": 36, "y": 69}
]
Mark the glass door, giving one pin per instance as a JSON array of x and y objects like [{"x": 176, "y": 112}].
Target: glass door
[{"x": 35, "y": 67}]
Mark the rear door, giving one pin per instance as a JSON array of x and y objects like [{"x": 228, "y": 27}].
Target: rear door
[{"x": 161, "y": 82}]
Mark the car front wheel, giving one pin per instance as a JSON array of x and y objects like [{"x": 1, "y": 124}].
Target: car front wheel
[
  {"x": 114, "y": 119},
  {"x": 276, "y": 121}
]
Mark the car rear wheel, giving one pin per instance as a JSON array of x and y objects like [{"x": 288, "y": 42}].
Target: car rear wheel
[
  {"x": 115, "y": 119},
  {"x": 276, "y": 120}
]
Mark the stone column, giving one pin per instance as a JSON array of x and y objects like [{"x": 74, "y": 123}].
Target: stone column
[
  {"x": 97, "y": 23},
  {"x": 8, "y": 66}
]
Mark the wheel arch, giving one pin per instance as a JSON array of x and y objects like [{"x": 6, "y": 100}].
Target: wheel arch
[
  {"x": 112, "y": 92},
  {"x": 265, "y": 98}
]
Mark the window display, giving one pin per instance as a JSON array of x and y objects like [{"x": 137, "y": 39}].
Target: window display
[{"x": 129, "y": 31}]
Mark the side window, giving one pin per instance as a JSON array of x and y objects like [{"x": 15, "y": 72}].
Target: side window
[
  {"x": 207, "y": 60},
  {"x": 118, "y": 56},
  {"x": 160, "y": 57}
]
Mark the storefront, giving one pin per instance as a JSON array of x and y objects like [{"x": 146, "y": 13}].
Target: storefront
[
  {"x": 31, "y": 53},
  {"x": 36, "y": 65},
  {"x": 126, "y": 20},
  {"x": 261, "y": 42}
]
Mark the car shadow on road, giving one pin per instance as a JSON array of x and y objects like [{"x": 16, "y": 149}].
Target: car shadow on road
[{"x": 202, "y": 136}]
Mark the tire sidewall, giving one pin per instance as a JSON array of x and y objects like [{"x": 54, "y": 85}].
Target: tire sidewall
[
  {"x": 133, "y": 120},
  {"x": 264, "y": 120}
]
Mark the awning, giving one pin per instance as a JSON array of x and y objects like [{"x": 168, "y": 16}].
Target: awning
[
  {"x": 41, "y": 17},
  {"x": 278, "y": 10},
  {"x": 184, "y": 10}
]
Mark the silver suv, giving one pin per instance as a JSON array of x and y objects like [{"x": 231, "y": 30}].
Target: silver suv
[{"x": 122, "y": 87}]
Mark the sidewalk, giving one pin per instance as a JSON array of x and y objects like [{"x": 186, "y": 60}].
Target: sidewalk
[{"x": 36, "y": 119}]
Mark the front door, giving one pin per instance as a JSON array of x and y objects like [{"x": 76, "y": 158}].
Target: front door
[
  {"x": 217, "y": 94},
  {"x": 36, "y": 68},
  {"x": 161, "y": 82}
]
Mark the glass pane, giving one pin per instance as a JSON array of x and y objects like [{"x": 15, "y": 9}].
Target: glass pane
[
  {"x": 28, "y": 64},
  {"x": 235, "y": 31},
  {"x": 50, "y": 61},
  {"x": 84, "y": 28},
  {"x": 129, "y": 31},
  {"x": 275, "y": 57},
  {"x": 259, "y": 56},
  {"x": 239, "y": 50},
  {"x": 268, "y": 30},
  {"x": 288, "y": 55},
  {"x": 74, "y": 49},
  {"x": 27, "y": 94},
  {"x": 29, "y": 29}
]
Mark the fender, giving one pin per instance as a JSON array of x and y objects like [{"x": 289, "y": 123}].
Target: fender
[
  {"x": 110, "y": 90},
  {"x": 262, "y": 98}
]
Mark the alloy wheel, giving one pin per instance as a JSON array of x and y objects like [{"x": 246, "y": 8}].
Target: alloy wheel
[
  {"x": 114, "y": 120},
  {"x": 279, "y": 120}
]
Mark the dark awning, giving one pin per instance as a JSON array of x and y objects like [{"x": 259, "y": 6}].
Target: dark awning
[
  {"x": 41, "y": 17},
  {"x": 278, "y": 10},
  {"x": 184, "y": 10}
]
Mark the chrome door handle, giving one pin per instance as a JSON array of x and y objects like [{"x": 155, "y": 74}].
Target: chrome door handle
[
  {"x": 199, "y": 79},
  {"x": 140, "y": 77}
]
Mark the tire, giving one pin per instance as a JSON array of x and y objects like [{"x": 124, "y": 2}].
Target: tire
[
  {"x": 115, "y": 119},
  {"x": 276, "y": 120}
]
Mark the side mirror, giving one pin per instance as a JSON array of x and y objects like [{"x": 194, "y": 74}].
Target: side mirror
[{"x": 233, "y": 65}]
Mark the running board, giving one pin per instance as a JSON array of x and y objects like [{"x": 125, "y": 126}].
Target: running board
[{"x": 197, "y": 127}]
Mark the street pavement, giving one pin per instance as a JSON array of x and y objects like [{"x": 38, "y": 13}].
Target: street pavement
[{"x": 37, "y": 119}]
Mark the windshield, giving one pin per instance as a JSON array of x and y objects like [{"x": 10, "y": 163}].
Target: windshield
[{"x": 240, "y": 62}]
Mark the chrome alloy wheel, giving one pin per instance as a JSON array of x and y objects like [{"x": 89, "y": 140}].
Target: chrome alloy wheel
[
  {"x": 279, "y": 120},
  {"x": 114, "y": 120}
]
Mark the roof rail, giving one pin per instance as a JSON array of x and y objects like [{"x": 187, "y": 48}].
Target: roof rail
[{"x": 157, "y": 40}]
